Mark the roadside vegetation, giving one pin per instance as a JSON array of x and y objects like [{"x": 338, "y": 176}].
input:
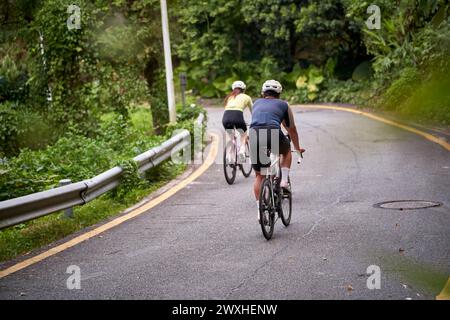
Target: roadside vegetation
[{"x": 323, "y": 51}]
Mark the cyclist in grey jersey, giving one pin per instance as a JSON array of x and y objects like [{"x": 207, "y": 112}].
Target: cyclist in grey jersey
[{"x": 270, "y": 113}]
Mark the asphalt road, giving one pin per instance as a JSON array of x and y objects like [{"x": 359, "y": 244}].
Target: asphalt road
[{"x": 205, "y": 243}]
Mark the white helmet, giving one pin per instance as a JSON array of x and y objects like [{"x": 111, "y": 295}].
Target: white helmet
[
  {"x": 272, "y": 85},
  {"x": 238, "y": 84}
]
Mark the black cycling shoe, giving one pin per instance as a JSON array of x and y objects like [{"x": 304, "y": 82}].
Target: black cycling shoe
[{"x": 285, "y": 190}]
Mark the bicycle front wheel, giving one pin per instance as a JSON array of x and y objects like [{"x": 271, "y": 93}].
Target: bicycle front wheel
[
  {"x": 229, "y": 163},
  {"x": 246, "y": 166},
  {"x": 266, "y": 209}
]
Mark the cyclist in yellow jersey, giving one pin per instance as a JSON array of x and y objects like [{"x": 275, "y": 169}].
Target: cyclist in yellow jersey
[{"x": 233, "y": 118}]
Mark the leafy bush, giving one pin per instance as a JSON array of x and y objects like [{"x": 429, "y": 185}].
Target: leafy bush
[
  {"x": 9, "y": 128},
  {"x": 21, "y": 128},
  {"x": 308, "y": 82},
  {"x": 74, "y": 157},
  {"x": 362, "y": 72},
  {"x": 401, "y": 88},
  {"x": 13, "y": 81},
  {"x": 141, "y": 119},
  {"x": 130, "y": 179},
  {"x": 421, "y": 96},
  {"x": 190, "y": 112},
  {"x": 343, "y": 92}
]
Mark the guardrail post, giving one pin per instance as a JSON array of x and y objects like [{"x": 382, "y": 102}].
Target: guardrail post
[{"x": 68, "y": 213}]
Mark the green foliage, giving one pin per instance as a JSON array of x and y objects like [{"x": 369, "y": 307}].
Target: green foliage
[
  {"x": 73, "y": 156},
  {"x": 66, "y": 64},
  {"x": 421, "y": 96},
  {"x": 22, "y": 128},
  {"x": 190, "y": 112},
  {"x": 401, "y": 88},
  {"x": 344, "y": 92},
  {"x": 325, "y": 31},
  {"x": 13, "y": 80},
  {"x": 97, "y": 69},
  {"x": 9, "y": 128},
  {"x": 429, "y": 102},
  {"x": 400, "y": 42},
  {"x": 159, "y": 103},
  {"x": 309, "y": 82},
  {"x": 141, "y": 119},
  {"x": 362, "y": 72},
  {"x": 130, "y": 179},
  {"x": 279, "y": 36},
  {"x": 418, "y": 77}
]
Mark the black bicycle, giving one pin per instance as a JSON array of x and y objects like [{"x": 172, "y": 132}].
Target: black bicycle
[
  {"x": 274, "y": 202},
  {"x": 231, "y": 162}
]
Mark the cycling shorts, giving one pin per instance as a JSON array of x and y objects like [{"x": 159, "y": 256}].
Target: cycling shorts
[
  {"x": 234, "y": 119},
  {"x": 261, "y": 140}
]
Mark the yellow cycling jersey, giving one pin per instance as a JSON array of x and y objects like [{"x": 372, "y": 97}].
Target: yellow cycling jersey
[{"x": 239, "y": 103}]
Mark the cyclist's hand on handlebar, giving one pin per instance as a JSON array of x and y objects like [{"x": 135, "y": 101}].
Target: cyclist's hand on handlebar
[
  {"x": 300, "y": 151},
  {"x": 300, "y": 154}
]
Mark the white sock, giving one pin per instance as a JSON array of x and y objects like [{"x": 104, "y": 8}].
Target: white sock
[
  {"x": 257, "y": 205},
  {"x": 284, "y": 175}
]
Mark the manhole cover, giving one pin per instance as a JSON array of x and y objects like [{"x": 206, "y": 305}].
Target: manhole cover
[{"x": 407, "y": 204}]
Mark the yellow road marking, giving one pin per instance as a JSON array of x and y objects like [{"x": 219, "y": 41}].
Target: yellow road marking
[
  {"x": 197, "y": 173},
  {"x": 445, "y": 293},
  {"x": 427, "y": 136}
]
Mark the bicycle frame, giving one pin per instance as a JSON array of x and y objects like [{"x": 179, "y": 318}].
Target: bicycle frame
[
  {"x": 273, "y": 172},
  {"x": 235, "y": 145}
]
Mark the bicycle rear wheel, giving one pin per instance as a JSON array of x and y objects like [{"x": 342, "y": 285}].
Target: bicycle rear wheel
[
  {"x": 266, "y": 209},
  {"x": 286, "y": 205},
  {"x": 229, "y": 163},
  {"x": 246, "y": 166}
]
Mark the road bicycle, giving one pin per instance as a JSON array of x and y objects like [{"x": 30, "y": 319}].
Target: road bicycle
[
  {"x": 274, "y": 202},
  {"x": 231, "y": 162}
]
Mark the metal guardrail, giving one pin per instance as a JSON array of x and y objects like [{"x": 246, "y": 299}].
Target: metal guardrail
[
  {"x": 38, "y": 204},
  {"x": 22, "y": 209}
]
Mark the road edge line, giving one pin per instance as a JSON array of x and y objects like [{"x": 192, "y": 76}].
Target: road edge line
[
  {"x": 212, "y": 154},
  {"x": 425, "y": 135}
]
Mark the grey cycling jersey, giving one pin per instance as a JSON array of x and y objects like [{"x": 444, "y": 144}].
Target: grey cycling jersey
[{"x": 271, "y": 113}]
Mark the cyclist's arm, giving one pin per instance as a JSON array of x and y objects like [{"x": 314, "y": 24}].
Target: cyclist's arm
[
  {"x": 289, "y": 124},
  {"x": 250, "y": 104}
]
